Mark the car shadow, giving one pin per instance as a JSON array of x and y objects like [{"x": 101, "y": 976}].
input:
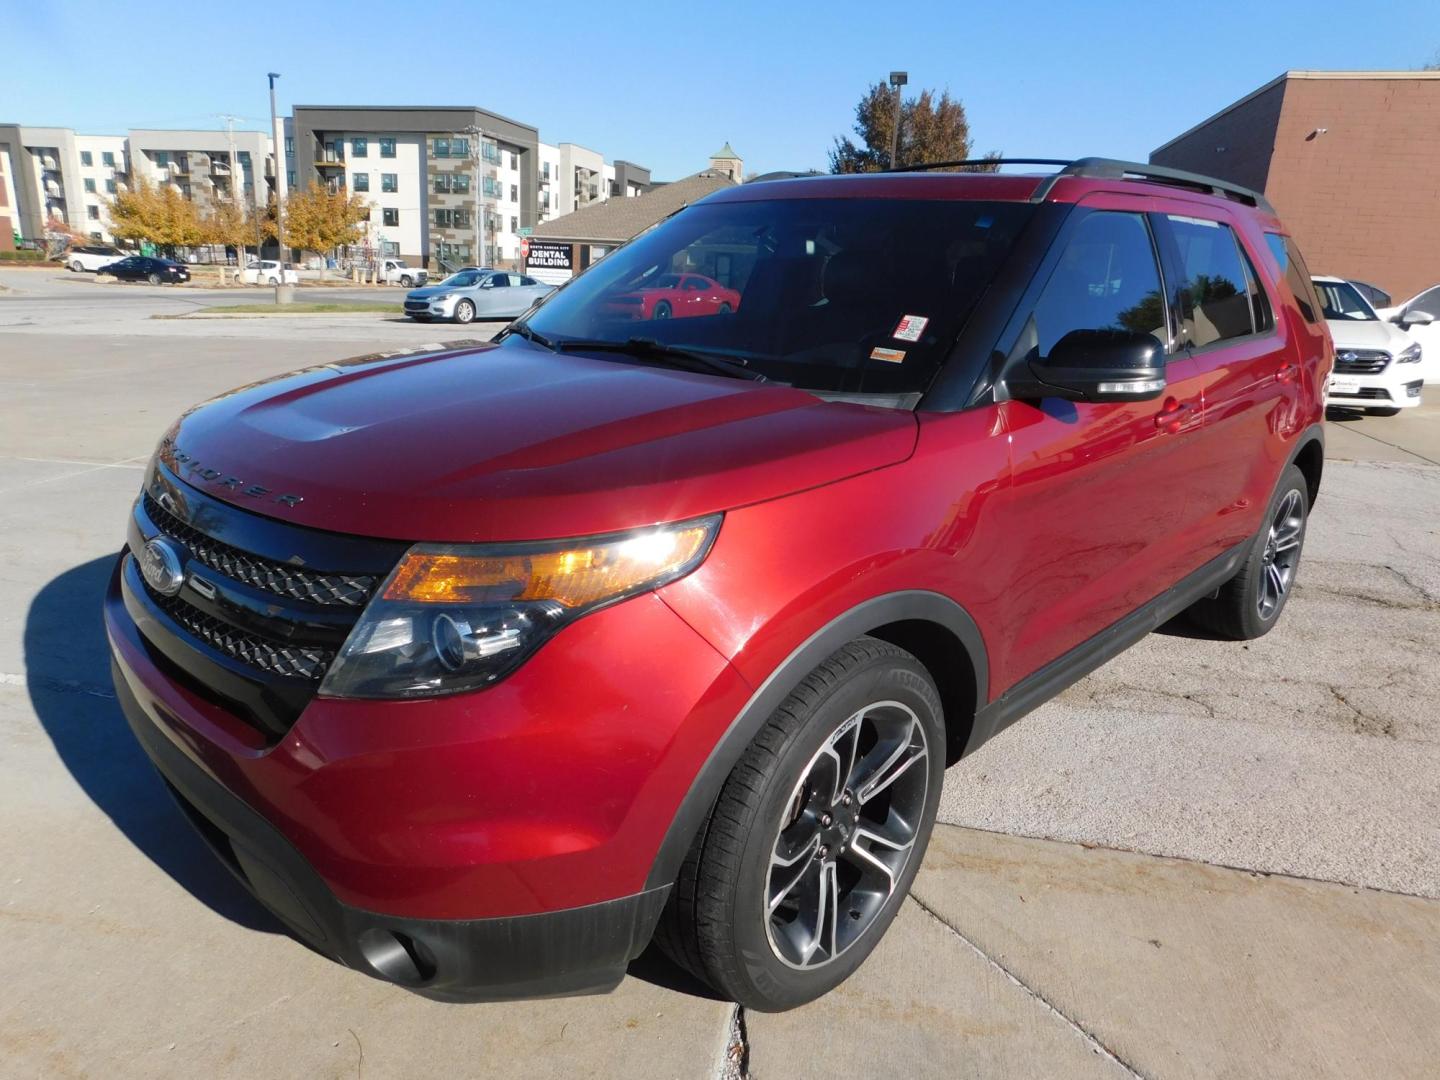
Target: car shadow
[
  {"x": 67, "y": 675},
  {"x": 654, "y": 967}
]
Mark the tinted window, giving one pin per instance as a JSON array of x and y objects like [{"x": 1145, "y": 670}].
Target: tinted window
[
  {"x": 1214, "y": 295},
  {"x": 499, "y": 280},
  {"x": 1428, "y": 302},
  {"x": 1287, "y": 257},
  {"x": 527, "y": 281},
  {"x": 825, "y": 285},
  {"x": 1342, "y": 301},
  {"x": 1106, "y": 279}
]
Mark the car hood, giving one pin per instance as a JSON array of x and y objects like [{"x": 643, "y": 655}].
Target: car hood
[
  {"x": 515, "y": 443},
  {"x": 1367, "y": 334},
  {"x": 432, "y": 291}
]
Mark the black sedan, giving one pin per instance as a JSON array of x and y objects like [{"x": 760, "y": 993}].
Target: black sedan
[{"x": 144, "y": 268}]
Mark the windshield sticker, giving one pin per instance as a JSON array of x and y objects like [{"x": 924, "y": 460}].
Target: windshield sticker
[
  {"x": 890, "y": 356},
  {"x": 910, "y": 328}
]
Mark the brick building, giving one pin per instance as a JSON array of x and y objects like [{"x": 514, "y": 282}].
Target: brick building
[{"x": 1350, "y": 159}]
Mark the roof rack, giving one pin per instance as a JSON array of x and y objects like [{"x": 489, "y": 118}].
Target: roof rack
[{"x": 1113, "y": 169}]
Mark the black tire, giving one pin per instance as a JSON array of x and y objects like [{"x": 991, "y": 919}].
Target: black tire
[
  {"x": 464, "y": 311},
  {"x": 77, "y": 267},
  {"x": 407, "y": 281},
  {"x": 661, "y": 310},
  {"x": 272, "y": 281},
  {"x": 716, "y": 924},
  {"x": 1384, "y": 412},
  {"x": 1238, "y": 613},
  {"x": 725, "y": 308},
  {"x": 153, "y": 279}
]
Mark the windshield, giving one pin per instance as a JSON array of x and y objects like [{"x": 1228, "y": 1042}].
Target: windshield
[
  {"x": 465, "y": 277},
  {"x": 845, "y": 295},
  {"x": 1341, "y": 300}
]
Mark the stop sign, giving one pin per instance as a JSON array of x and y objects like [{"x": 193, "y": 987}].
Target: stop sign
[{"x": 524, "y": 248}]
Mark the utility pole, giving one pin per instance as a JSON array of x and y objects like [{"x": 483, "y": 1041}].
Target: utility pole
[
  {"x": 897, "y": 80},
  {"x": 235, "y": 179},
  {"x": 282, "y": 291},
  {"x": 475, "y": 136}
]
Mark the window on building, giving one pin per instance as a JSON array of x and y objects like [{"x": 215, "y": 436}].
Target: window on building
[
  {"x": 90, "y": 185},
  {"x": 441, "y": 147},
  {"x": 162, "y": 158},
  {"x": 460, "y": 183},
  {"x": 360, "y": 147},
  {"x": 86, "y": 158},
  {"x": 442, "y": 183},
  {"x": 389, "y": 181},
  {"x": 93, "y": 213},
  {"x": 1217, "y": 298},
  {"x": 461, "y": 219},
  {"x": 460, "y": 148},
  {"x": 491, "y": 153},
  {"x": 514, "y": 160},
  {"x": 387, "y": 147},
  {"x": 361, "y": 181},
  {"x": 390, "y": 216},
  {"x": 244, "y": 156},
  {"x": 545, "y": 170},
  {"x": 443, "y": 218},
  {"x": 96, "y": 236},
  {"x": 290, "y": 177},
  {"x": 514, "y": 193},
  {"x": 289, "y": 145},
  {"x": 110, "y": 187},
  {"x": 1106, "y": 280},
  {"x": 389, "y": 247},
  {"x": 491, "y": 187},
  {"x": 107, "y": 158},
  {"x": 514, "y": 223}
]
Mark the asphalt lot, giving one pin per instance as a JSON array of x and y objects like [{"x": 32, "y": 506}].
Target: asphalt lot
[{"x": 1205, "y": 859}]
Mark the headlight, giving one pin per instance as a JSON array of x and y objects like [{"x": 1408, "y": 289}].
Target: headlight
[
  {"x": 1411, "y": 355},
  {"x": 459, "y": 617}
]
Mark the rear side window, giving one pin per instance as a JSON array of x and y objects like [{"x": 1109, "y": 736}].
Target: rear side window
[
  {"x": 1217, "y": 298},
  {"x": 1297, "y": 276},
  {"x": 1107, "y": 279}
]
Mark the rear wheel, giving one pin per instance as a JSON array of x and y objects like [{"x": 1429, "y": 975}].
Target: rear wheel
[
  {"x": 661, "y": 311},
  {"x": 725, "y": 309},
  {"x": 1249, "y": 604},
  {"x": 817, "y": 834},
  {"x": 77, "y": 267},
  {"x": 464, "y": 311},
  {"x": 273, "y": 281},
  {"x": 153, "y": 279}
]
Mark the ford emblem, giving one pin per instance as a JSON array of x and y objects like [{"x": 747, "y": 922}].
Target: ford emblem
[{"x": 160, "y": 567}]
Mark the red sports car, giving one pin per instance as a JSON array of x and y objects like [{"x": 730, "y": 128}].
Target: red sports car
[{"x": 677, "y": 296}]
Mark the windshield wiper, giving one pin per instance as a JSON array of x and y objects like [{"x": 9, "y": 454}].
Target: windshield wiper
[
  {"x": 525, "y": 332},
  {"x": 672, "y": 355}
]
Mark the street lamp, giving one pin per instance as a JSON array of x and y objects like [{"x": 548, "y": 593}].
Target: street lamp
[
  {"x": 282, "y": 290},
  {"x": 897, "y": 80}
]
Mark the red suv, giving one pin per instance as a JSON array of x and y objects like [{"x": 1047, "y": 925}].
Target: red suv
[{"x": 481, "y": 667}]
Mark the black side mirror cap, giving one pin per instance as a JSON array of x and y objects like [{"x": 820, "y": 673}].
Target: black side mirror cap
[{"x": 1095, "y": 365}]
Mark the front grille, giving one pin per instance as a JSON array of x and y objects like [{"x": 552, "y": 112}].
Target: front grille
[
  {"x": 1361, "y": 361},
  {"x": 417, "y": 305},
  {"x": 1375, "y": 393},
  {"x": 275, "y": 657},
  {"x": 348, "y": 590}
]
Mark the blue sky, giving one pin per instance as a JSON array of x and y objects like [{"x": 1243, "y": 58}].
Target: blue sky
[{"x": 666, "y": 83}]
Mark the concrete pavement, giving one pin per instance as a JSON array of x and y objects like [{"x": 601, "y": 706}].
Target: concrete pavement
[{"x": 1310, "y": 753}]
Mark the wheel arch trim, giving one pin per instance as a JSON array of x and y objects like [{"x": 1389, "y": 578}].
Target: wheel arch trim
[{"x": 910, "y": 605}]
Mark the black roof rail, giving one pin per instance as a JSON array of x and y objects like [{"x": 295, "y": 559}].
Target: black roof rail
[
  {"x": 979, "y": 161},
  {"x": 1112, "y": 169}
]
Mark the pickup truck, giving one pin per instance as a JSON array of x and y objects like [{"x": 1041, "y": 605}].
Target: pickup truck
[{"x": 395, "y": 272}]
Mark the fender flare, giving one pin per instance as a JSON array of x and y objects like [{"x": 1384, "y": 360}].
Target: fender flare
[
  {"x": 1315, "y": 433},
  {"x": 861, "y": 619}
]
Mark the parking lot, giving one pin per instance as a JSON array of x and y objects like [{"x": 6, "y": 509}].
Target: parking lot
[{"x": 1206, "y": 859}]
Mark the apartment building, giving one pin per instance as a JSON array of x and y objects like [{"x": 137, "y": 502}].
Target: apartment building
[
  {"x": 199, "y": 165},
  {"x": 453, "y": 184},
  {"x": 55, "y": 173}
]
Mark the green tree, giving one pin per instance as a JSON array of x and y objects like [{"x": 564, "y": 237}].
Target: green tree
[{"x": 932, "y": 128}]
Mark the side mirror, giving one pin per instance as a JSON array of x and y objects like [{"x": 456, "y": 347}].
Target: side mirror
[
  {"x": 1096, "y": 365},
  {"x": 1407, "y": 319}
]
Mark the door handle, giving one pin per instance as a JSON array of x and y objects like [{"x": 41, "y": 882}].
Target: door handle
[
  {"x": 1286, "y": 373},
  {"x": 1170, "y": 419}
]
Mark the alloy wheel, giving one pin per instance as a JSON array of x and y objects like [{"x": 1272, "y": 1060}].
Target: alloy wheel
[
  {"x": 847, "y": 836},
  {"x": 1282, "y": 553}
]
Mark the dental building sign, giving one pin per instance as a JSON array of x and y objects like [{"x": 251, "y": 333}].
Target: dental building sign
[{"x": 552, "y": 263}]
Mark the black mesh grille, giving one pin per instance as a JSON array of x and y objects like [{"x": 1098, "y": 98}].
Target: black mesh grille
[
  {"x": 1370, "y": 393},
  {"x": 1361, "y": 361},
  {"x": 276, "y": 657},
  {"x": 347, "y": 590}
]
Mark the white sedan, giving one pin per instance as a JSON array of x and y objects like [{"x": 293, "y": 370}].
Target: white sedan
[
  {"x": 267, "y": 272},
  {"x": 1420, "y": 317},
  {"x": 1377, "y": 365}
]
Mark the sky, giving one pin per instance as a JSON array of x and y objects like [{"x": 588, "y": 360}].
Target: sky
[{"x": 665, "y": 84}]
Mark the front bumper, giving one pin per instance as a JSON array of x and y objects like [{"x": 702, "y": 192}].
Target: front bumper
[{"x": 1398, "y": 387}]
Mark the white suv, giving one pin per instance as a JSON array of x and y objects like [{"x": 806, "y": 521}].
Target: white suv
[
  {"x": 88, "y": 258},
  {"x": 1377, "y": 365},
  {"x": 267, "y": 272}
]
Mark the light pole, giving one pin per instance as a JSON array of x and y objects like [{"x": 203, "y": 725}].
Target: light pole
[
  {"x": 897, "y": 80},
  {"x": 282, "y": 291}
]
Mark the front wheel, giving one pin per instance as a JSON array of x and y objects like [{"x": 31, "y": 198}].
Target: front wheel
[
  {"x": 662, "y": 310},
  {"x": 464, "y": 311},
  {"x": 407, "y": 281},
  {"x": 1249, "y": 604},
  {"x": 153, "y": 279},
  {"x": 817, "y": 834}
]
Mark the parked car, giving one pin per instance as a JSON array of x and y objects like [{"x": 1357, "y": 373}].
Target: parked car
[
  {"x": 146, "y": 268},
  {"x": 675, "y": 296},
  {"x": 91, "y": 257},
  {"x": 1420, "y": 318},
  {"x": 479, "y": 666},
  {"x": 1377, "y": 365},
  {"x": 268, "y": 272},
  {"x": 1375, "y": 296},
  {"x": 395, "y": 272},
  {"x": 476, "y": 294}
]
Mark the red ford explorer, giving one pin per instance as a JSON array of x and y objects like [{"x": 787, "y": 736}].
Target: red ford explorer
[{"x": 483, "y": 667}]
